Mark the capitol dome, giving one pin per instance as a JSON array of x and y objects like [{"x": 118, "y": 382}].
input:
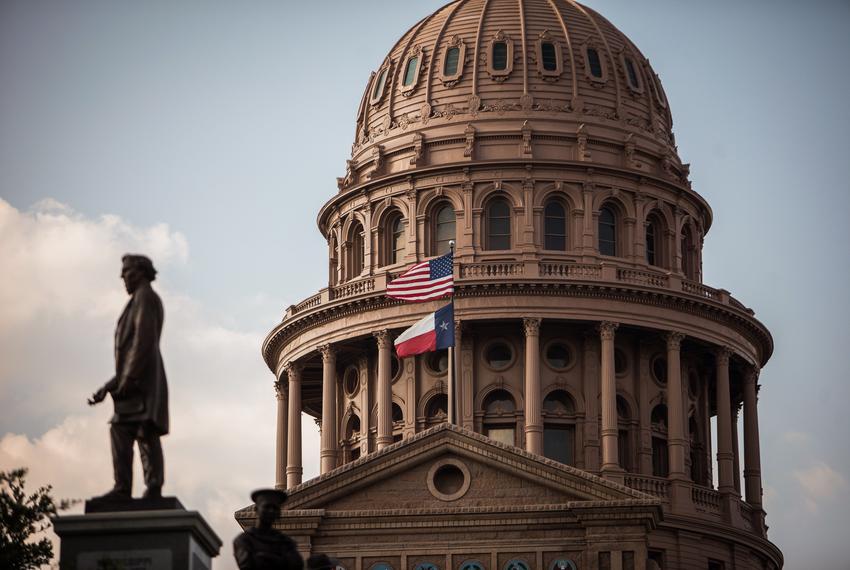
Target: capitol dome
[
  {"x": 590, "y": 415},
  {"x": 557, "y": 72}
]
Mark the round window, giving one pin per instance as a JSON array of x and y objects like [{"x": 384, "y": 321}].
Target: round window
[
  {"x": 621, "y": 364},
  {"x": 659, "y": 369},
  {"x": 438, "y": 362},
  {"x": 350, "y": 381},
  {"x": 498, "y": 356},
  {"x": 558, "y": 355},
  {"x": 448, "y": 479}
]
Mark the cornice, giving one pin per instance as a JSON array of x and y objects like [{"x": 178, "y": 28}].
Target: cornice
[{"x": 740, "y": 321}]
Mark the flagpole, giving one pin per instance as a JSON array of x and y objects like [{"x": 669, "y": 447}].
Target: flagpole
[{"x": 451, "y": 371}]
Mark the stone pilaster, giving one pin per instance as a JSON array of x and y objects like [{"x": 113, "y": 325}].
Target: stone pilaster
[
  {"x": 384, "y": 395},
  {"x": 533, "y": 412},
  {"x": 294, "y": 469},
  {"x": 752, "y": 454},
  {"x": 610, "y": 466},
  {"x": 280, "y": 456},
  {"x": 590, "y": 388},
  {"x": 329, "y": 452}
]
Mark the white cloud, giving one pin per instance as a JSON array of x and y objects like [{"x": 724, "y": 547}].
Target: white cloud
[
  {"x": 819, "y": 482},
  {"x": 57, "y": 316}
]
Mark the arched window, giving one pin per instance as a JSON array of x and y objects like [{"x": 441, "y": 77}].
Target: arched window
[
  {"x": 398, "y": 423},
  {"x": 500, "y": 56},
  {"x": 332, "y": 261},
  {"x": 554, "y": 226},
  {"x": 472, "y": 565},
  {"x": 450, "y": 63},
  {"x": 378, "y": 86},
  {"x": 548, "y": 56},
  {"x": 699, "y": 465},
  {"x": 559, "y": 418},
  {"x": 631, "y": 74},
  {"x": 396, "y": 242},
  {"x": 351, "y": 439},
  {"x": 500, "y": 417},
  {"x": 660, "y": 465},
  {"x": 357, "y": 259},
  {"x": 594, "y": 63},
  {"x": 444, "y": 228},
  {"x": 516, "y": 564},
  {"x": 410, "y": 71},
  {"x": 607, "y": 229},
  {"x": 654, "y": 239},
  {"x": 498, "y": 224},
  {"x": 688, "y": 253},
  {"x": 624, "y": 439},
  {"x": 437, "y": 410}
]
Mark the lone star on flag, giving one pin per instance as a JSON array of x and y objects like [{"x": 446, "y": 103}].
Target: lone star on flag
[{"x": 444, "y": 325}]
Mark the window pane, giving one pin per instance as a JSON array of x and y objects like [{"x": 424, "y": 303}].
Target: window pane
[
  {"x": 555, "y": 226},
  {"x": 650, "y": 243},
  {"x": 410, "y": 71},
  {"x": 659, "y": 457},
  {"x": 607, "y": 232},
  {"x": 398, "y": 243},
  {"x": 500, "y": 56},
  {"x": 550, "y": 60},
  {"x": 452, "y": 56},
  {"x": 498, "y": 225},
  {"x": 558, "y": 443},
  {"x": 595, "y": 64},
  {"x": 499, "y": 355},
  {"x": 444, "y": 231},
  {"x": 631, "y": 72},
  {"x": 501, "y": 434},
  {"x": 379, "y": 85}
]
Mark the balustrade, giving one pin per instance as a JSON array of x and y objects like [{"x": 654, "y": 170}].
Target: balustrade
[
  {"x": 706, "y": 500},
  {"x": 490, "y": 269},
  {"x": 655, "y": 486}
]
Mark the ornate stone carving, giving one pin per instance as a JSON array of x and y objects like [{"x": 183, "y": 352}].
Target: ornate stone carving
[
  {"x": 293, "y": 370},
  {"x": 531, "y": 326},
  {"x": 674, "y": 340},
  {"x": 525, "y": 147},
  {"x": 607, "y": 330},
  {"x": 581, "y": 140},
  {"x": 418, "y": 150},
  {"x": 383, "y": 338},
  {"x": 328, "y": 352},
  {"x": 723, "y": 354},
  {"x": 378, "y": 162},
  {"x": 469, "y": 147}
]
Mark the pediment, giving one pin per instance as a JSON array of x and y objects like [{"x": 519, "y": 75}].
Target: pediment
[{"x": 450, "y": 467}]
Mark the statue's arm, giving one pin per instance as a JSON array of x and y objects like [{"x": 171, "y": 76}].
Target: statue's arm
[
  {"x": 101, "y": 393},
  {"x": 242, "y": 553}
]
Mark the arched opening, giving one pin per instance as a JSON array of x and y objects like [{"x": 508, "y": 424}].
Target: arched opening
[
  {"x": 356, "y": 239},
  {"x": 658, "y": 419},
  {"x": 554, "y": 225},
  {"x": 607, "y": 231},
  {"x": 351, "y": 439},
  {"x": 500, "y": 417},
  {"x": 559, "y": 423},
  {"x": 437, "y": 410},
  {"x": 395, "y": 238},
  {"x": 398, "y": 423},
  {"x": 689, "y": 266},
  {"x": 498, "y": 225},
  {"x": 443, "y": 229},
  {"x": 625, "y": 455},
  {"x": 655, "y": 251},
  {"x": 333, "y": 261}
]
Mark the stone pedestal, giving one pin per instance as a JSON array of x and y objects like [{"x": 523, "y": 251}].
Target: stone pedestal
[{"x": 169, "y": 538}]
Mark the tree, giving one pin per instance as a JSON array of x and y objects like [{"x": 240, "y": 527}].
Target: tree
[{"x": 22, "y": 518}]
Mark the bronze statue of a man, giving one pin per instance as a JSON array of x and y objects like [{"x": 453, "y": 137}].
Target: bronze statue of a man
[
  {"x": 262, "y": 547},
  {"x": 139, "y": 389}
]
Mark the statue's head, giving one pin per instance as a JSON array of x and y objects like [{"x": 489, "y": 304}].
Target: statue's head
[
  {"x": 268, "y": 503},
  {"x": 135, "y": 270}
]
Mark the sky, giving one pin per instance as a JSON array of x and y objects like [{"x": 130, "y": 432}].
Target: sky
[{"x": 208, "y": 135}]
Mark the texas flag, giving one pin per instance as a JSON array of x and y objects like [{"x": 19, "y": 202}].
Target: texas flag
[{"x": 434, "y": 332}]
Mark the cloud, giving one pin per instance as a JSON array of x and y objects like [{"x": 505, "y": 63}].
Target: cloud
[
  {"x": 819, "y": 482},
  {"x": 57, "y": 317}
]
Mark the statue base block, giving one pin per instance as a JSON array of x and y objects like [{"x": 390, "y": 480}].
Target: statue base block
[{"x": 159, "y": 539}]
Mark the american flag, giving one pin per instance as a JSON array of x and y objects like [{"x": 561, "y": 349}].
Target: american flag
[{"x": 424, "y": 281}]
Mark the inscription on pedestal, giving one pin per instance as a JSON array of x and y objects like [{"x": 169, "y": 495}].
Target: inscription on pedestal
[{"x": 159, "y": 559}]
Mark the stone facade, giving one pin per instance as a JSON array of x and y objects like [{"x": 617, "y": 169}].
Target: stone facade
[{"x": 538, "y": 138}]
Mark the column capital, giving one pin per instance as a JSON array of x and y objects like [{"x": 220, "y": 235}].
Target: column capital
[
  {"x": 280, "y": 389},
  {"x": 531, "y": 326},
  {"x": 607, "y": 329},
  {"x": 723, "y": 354},
  {"x": 328, "y": 352},
  {"x": 293, "y": 370},
  {"x": 458, "y": 328},
  {"x": 674, "y": 340},
  {"x": 751, "y": 375},
  {"x": 383, "y": 338}
]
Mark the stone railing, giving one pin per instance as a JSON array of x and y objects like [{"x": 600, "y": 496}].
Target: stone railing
[
  {"x": 747, "y": 514},
  {"x": 492, "y": 269},
  {"x": 638, "y": 277},
  {"x": 655, "y": 486},
  {"x": 570, "y": 270},
  {"x": 706, "y": 500},
  {"x": 549, "y": 271}
]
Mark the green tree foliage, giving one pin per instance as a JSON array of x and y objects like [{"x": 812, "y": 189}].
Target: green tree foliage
[{"x": 22, "y": 518}]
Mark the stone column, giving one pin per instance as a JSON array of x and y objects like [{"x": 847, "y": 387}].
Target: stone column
[
  {"x": 533, "y": 412},
  {"x": 676, "y": 441},
  {"x": 724, "y": 423},
  {"x": 752, "y": 455},
  {"x": 610, "y": 458},
  {"x": 385, "y": 390},
  {"x": 294, "y": 470},
  {"x": 736, "y": 453},
  {"x": 280, "y": 456},
  {"x": 329, "y": 452},
  {"x": 590, "y": 390}
]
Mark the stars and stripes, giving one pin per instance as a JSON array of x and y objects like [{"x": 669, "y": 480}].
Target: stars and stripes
[{"x": 424, "y": 281}]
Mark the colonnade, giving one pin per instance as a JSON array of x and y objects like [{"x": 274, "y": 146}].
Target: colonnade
[{"x": 289, "y": 468}]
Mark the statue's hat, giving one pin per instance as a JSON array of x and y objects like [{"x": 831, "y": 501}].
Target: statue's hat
[{"x": 273, "y": 495}]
